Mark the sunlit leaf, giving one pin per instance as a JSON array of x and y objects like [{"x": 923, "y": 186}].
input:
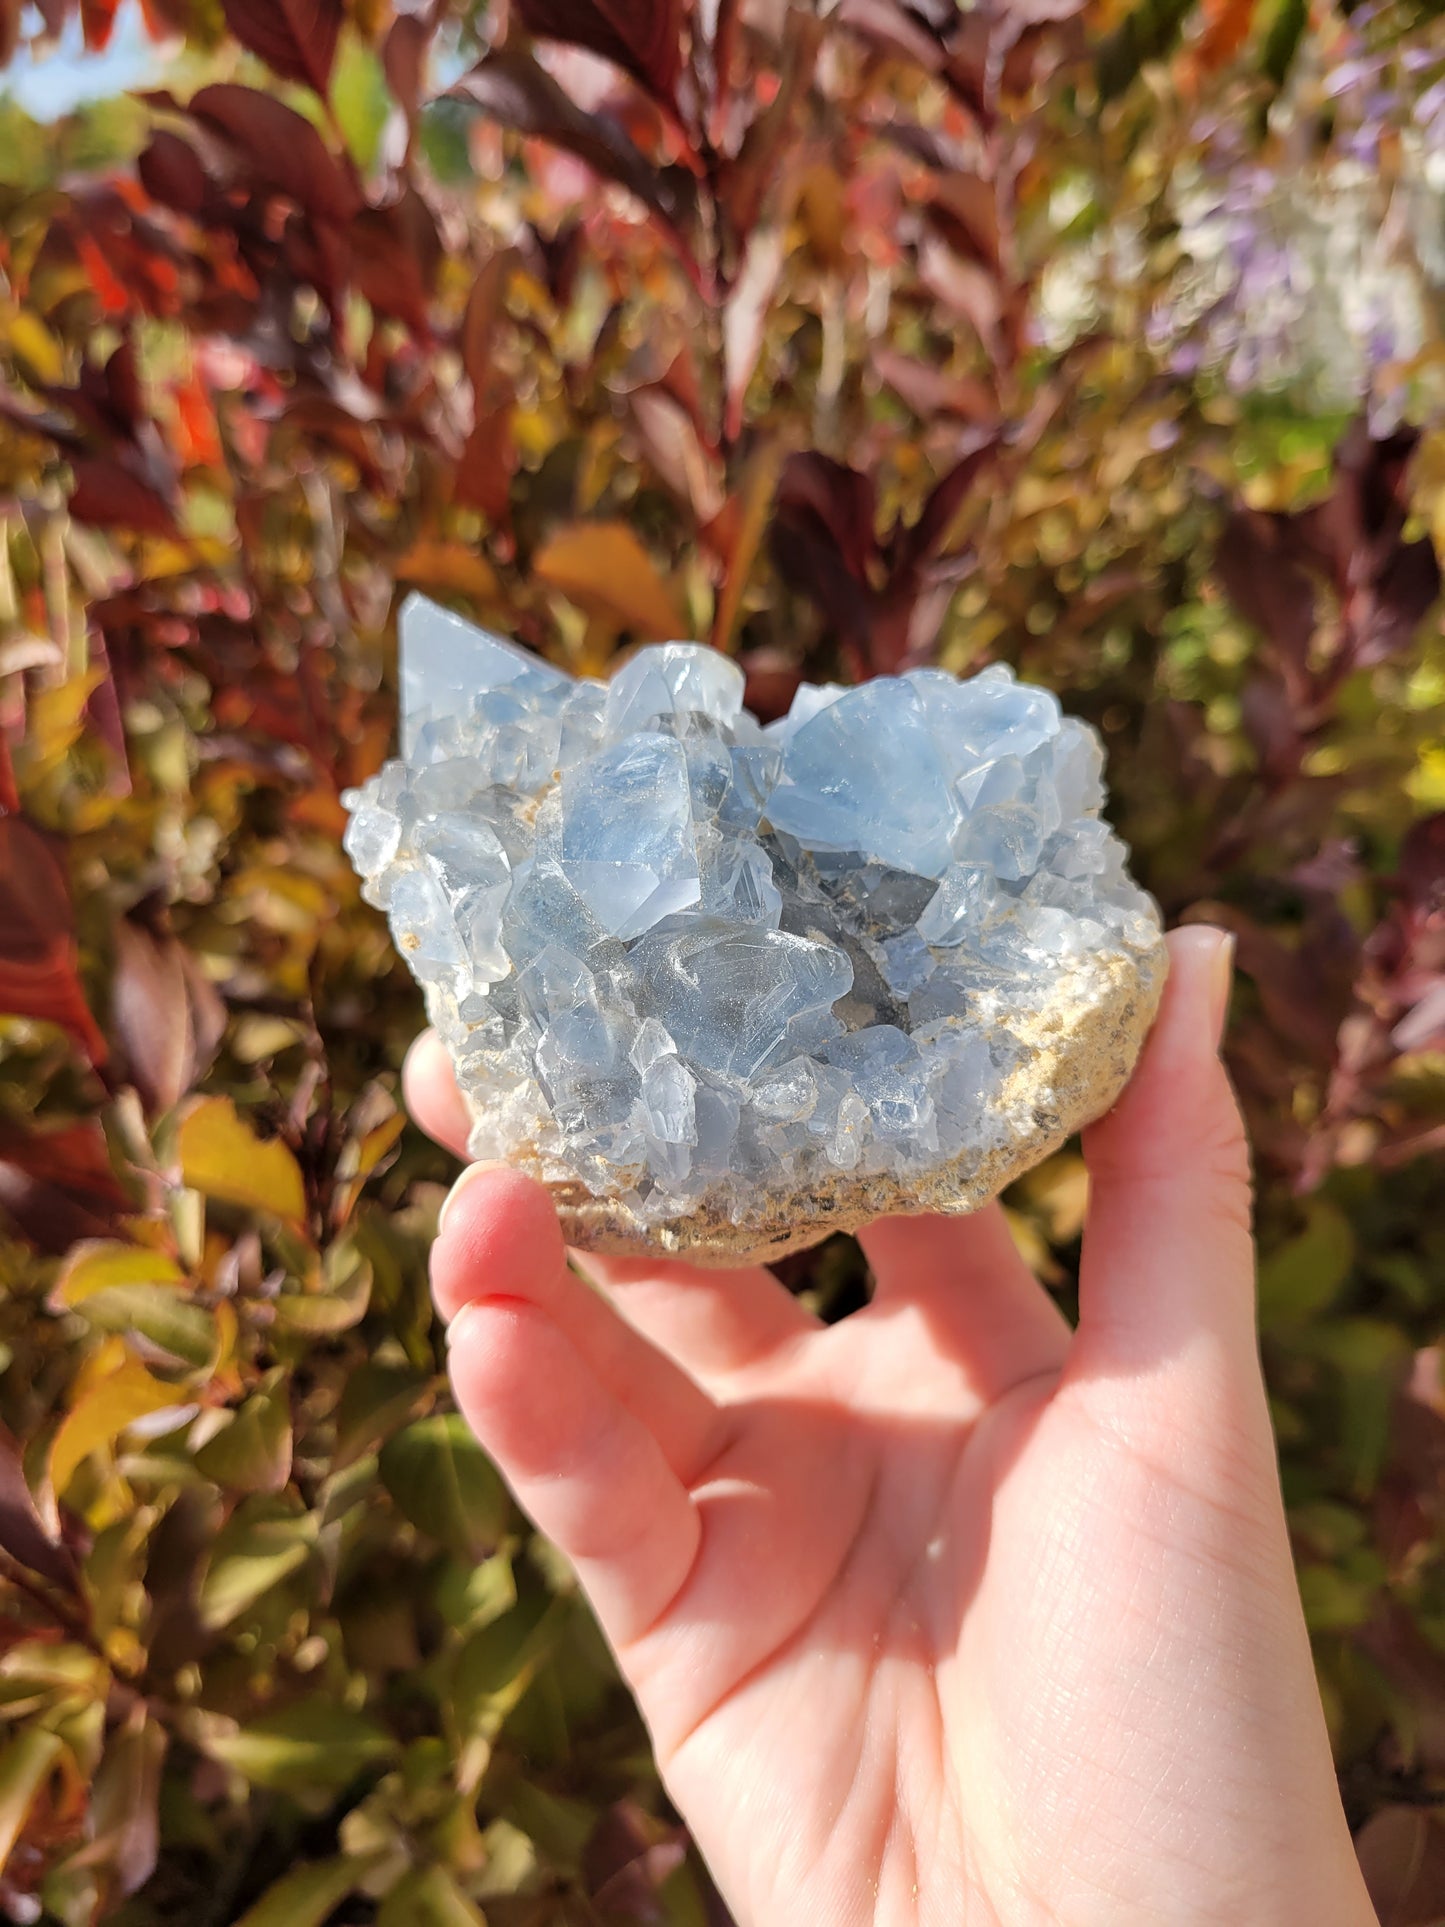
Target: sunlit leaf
[
  {"x": 603, "y": 568},
  {"x": 222, "y": 1157},
  {"x": 118, "y": 1401},
  {"x": 360, "y": 99},
  {"x": 451, "y": 567},
  {"x": 755, "y": 497},
  {"x": 310, "y": 1744},
  {"x": 25, "y": 1765},
  {"x": 102, "y": 1265}
]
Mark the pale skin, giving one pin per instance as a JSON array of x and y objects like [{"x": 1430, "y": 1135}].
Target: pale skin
[{"x": 945, "y": 1613}]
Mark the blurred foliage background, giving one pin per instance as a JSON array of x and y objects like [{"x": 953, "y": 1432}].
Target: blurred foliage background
[{"x": 1101, "y": 338}]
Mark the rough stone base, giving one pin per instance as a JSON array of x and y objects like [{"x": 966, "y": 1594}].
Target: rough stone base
[{"x": 1076, "y": 1058}]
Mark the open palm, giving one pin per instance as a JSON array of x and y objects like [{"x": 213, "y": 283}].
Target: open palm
[{"x": 944, "y": 1613}]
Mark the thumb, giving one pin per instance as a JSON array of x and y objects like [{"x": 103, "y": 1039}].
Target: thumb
[{"x": 1168, "y": 1255}]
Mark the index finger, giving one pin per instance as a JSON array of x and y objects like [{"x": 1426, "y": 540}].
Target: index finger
[
  {"x": 431, "y": 1094},
  {"x": 712, "y": 1321}
]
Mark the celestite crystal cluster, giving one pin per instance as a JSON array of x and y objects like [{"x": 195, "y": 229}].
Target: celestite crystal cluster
[{"x": 727, "y": 987}]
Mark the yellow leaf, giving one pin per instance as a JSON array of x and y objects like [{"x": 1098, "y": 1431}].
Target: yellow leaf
[
  {"x": 25, "y": 1766},
  {"x": 435, "y": 564},
  {"x": 55, "y": 719},
  {"x": 36, "y": 346},
  {"x": 603, "y": 568},
  {"x": 102, "y": 1415},
  {"x": 222, "y": 1157},
  {"x": 755, "y": 501},
  {"x": 98, "y": 1264}
]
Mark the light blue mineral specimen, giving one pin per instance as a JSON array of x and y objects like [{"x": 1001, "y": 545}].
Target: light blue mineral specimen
[{"x": 680, "y": 959}]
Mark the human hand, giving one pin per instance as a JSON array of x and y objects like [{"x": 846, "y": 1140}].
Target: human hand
[{"x": 944, "y": 1613}]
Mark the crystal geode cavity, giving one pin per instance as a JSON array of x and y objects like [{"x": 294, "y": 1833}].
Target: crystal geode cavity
[{"x": 726, "y": 988}]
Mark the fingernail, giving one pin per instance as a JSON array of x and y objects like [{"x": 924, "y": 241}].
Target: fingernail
[
  {"x": 1221, "y": 984},
  {"x": 472, "y": 1171}
]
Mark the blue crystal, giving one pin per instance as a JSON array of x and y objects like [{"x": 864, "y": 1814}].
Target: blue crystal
[{"x": 679, "y": 957}]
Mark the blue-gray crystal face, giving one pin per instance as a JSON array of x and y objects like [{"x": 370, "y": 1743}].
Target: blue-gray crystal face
[{"x": 679, "y": 958}]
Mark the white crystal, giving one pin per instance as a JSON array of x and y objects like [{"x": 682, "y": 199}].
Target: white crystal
[{"x": 677, "y": 957}]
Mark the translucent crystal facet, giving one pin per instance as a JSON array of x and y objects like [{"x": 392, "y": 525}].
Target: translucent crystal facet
[{"x": 678, "y": 957}]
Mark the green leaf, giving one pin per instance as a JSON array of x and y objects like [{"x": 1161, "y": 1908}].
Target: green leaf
[
  {"x": 1146, "y": 34},
  {"x": 25, "y": 1766},
  {"x": 1305, "y": 1276},
  {"x": 430, "y": 1898},
  {"x": 443, "y": 1483},
  {"x": 1286, "y": 29},
  {"x": 378, "y": 1398},
  {"x": 1332, "y": 1602},
  {"x": 308, "y": 1896},
  {"x": 494, "y": 1666},
  {"x": 253, "y": 1452},
  {"x": 469, "y": 1597},
  {"x": 339, "y": 1305},
  {"x": 360, "y": 99},
  {"x": 311, "y": 1744},
  {"x": 255, "y": 1550},
  {"x": 161, "y": 1316}
]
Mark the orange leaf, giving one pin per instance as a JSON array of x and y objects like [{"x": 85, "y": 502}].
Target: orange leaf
[{"x": 604, "y": 569}]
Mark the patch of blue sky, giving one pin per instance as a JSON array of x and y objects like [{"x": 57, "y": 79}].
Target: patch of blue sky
[{"x": 61, "y": 76}]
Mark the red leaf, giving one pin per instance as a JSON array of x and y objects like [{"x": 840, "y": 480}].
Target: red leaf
[
  {"x": 97, "y": 19},
  {"x": 283, "y": 150},
  {"x": 37, "y": 941},
  {"x": 172, "y": 174},
  {"x": 58, "y": 1185},
  {"x": 9, "y": 795},
  {"x": 1401, "y": 1852},
  {"x": 483, "y": 477},
  {"x": 1422, "y": 862},
  {"x": 395, "y": 254},
  {"x": 1260, "y": 565},
  {"x": 484, "y": 474},
  {"x": 295, "y": 38},
  {"x": 929, "y": 392},
  {"x": 403, "y": 59},
  {"x": 912, "y": 545},
  {"x": 23, "y": 1534},
  {"x": 112, "y": 496},
  {"x": 514, "y": 90},
  {"x": 165, "y": 17},
  {"x": 166, "y": 1017},
  {"x": 642, "y": 37}
]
